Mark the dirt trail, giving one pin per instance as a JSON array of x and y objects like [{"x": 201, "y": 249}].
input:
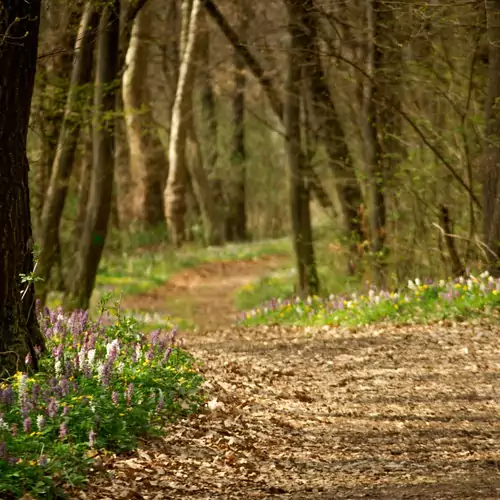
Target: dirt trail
[
  {"x": 380, "y": 413},
  {"x": 205, "y": 293}
]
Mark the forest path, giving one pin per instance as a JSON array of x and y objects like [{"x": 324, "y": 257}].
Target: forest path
[
  {"x": 383, "y": 412},
  {"x": 204, "y": 294}
]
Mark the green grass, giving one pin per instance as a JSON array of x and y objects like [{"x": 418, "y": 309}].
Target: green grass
[{"x": 418, "y": 303}]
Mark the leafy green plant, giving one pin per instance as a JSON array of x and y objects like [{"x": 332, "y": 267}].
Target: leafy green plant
[{"x": 102, "y": 385}]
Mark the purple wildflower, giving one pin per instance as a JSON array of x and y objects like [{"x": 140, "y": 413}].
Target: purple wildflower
[
  {"x": 166, "y": 355},
  {"x": 57, "y": 352},
  {"x": 42, "y": 461},
  {"x": 114, "y": 398},
  {"x": 129, "y": 393},
  {"x": 35, "y": 393},
  {"x": 27, "y": 359},
  {"x": 27, "y": 425},
  {"x": 13, "y": 430},
  {"x": 52, "y": 408},
  {"x": 161, "y": 403},
  {"x": 155, "y": 337},
  {"x": 104, "y": 373},
  {"x": 63, "y": 430},
  {"x": 65, "y": 411},
  {"x": 173, "y": 335},
  {"x": 64, "y": 385},
  {"x": 92, "y": 436},
  {"x": 8, "y": 395}
]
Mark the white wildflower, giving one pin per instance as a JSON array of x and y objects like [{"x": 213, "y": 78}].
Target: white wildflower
[
  {"x": 58, "y": 367},
  {"x": 4, "y": 426},
  {"x": 91, "y": 357},
  {"x": 81, "y": 358},
  {"x": 100, "y": 371}
]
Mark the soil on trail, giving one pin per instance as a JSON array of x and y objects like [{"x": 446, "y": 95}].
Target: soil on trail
[
  {"x": 204, "y": 294},
  {"x": 314, "y": 414}
]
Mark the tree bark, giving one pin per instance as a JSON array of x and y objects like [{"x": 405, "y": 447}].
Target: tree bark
[
  {"x": 491, "y": 162},
  {"x": 236, "y": 221},
  {"x": 100, "y": 196},
  {"x": 374, "y": 96},
  {"x": 61, "y": 21},
  {"x": 183, "y": 129},
  {"x": 300, "y": 195},
  {"x": 174, "y": 196},
  {"x": 65, "y": 157},
  {"x": 19, "y": 330},
  {"x": 147, "y": 158}
]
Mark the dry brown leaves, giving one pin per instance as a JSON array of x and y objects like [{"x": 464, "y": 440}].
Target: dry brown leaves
[{"x": 382, "y": 412}]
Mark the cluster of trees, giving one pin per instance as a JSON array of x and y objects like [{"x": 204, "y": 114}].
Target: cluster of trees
[{"x": 247, "y": 120}]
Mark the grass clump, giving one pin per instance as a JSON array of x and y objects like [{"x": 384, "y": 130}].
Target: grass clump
[
  {"x": 419, "y": 302},
  {"x": 101, "y": 387}
]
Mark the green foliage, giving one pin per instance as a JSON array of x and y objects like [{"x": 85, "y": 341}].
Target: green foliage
[
  {"x": 418, "y": 302},
  {"x": 102, "y": 386}
]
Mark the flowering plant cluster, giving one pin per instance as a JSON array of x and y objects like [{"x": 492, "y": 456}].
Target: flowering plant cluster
[
  {"x": 100, "y": 387},
  {"x": 459, "y": 298}
]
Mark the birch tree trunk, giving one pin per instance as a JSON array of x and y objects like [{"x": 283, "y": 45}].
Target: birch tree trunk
[{"x": 182, "y": 125}]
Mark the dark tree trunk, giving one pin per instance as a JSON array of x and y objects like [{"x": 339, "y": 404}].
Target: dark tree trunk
[
  {"x": 374, "y": 102},
  {"x": 65, "y": 156},
  {"x": 236, "y": 223},
  {"x": 491, "y": 166},
  {"x": 100, "y": 196},
  {"x": 19, "y": 331},
  {"x": 300, "y": 195}
]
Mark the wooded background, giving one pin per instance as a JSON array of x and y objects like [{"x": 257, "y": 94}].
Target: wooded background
[{"x": 369, "y": 124}]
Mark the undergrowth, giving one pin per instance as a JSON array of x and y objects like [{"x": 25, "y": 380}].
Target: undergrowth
[
  {"x": 101, "y": 387},
  {"x": 457, "y": 299}
]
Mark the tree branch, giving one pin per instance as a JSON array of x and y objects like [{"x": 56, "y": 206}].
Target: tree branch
[{"x": 252, "y": 63}]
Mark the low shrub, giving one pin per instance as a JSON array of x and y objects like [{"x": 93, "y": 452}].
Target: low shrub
[{"x": 101, "y": 386}]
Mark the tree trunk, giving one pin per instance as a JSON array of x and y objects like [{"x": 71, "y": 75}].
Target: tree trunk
[
  {"x": 209, "y": 126},
  {"x": 19, "y": 330},
  {"x": 61, "y": 20},
  {"x": 83, "y": 187},
  {"x": 182, "y": 128},
  {"x": 147, "y": 159},
  {"x": 236, "y": 222},
  {"x": 373, "y": 134},
  {"x": 174, "y": 196},
  {"x": 100, "y": 196},
  {"x": 66, "y": 149},
  {"x": 300, "y": 195},
  {"x": 491, "y": 165},
  {"x": 348, "y": 188}
]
